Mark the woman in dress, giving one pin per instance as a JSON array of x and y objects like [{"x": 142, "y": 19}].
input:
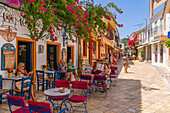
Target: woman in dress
[
  {"x": 22, "y": 72},
  {"x": 125, "y": 63}
]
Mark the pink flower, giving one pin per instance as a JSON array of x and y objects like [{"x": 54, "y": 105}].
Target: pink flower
[
  {"x": 108, "y": 17},
  {"x": 87, "y": 4},
  {"x": 44, "y": 9},
  {"x": 92, "y": 15},
  {"x": 31, "y": 0},
  {"x": 68, "y": 7},
  {"x": 77, "y": 25},
  {"x": 44, "y": 2},
  {"x": 21, "y": 2},
  {"x": 36, "y": 39},
  {"x": 21, "y": 13},
  {"x": 64, "y": 3},
  {"x": 14, "y": 2},
  {"x": 104, "y": 11},
  {"x": 77, "y": 1},
  {"x": 121, "y": 12},
  {"x": 77, "y": 16},
  {"x": 115, "y": 16},
  {"x": 54, "y": 10},
  {"x": 56, "y": 38},
  {"x": 73, "y": 11},
  {"x": 108, "y": 30}
]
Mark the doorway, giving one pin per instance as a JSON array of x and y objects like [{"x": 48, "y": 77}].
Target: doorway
[
  {"x": 52, "y": 56},
  {"x": 26, "y": 53},
  {"x": 70, "y": 53}
]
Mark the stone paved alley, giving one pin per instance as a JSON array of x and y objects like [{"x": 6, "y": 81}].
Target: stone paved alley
[{"x": 142, "y": 90}]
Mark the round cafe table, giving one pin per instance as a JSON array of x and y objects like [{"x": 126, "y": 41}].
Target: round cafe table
[{"x": 55, "y": 93}]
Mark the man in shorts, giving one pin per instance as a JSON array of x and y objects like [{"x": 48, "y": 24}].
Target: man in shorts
[{"x": 63, "y": 68}]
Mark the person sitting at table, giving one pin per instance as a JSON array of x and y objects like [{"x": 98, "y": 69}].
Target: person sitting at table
[
  {"x": 106, "y": 71},
  {"x": 63, "y": 68},
  {"x": 71, "y": 65},
  {"x": 95, "y": 70},
  {"x": 22, "y": 72}
]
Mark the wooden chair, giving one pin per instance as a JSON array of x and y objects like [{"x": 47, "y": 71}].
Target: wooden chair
[
  {"x": 2, "y": 91},
  {"x": 25, "y": 87}
]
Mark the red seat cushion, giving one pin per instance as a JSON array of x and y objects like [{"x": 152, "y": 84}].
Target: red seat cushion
[
  {"x": 58, "y": 98},
  {"x": 77, "y": 98},
  {"x": 20, "y": 110},
  {"x": 101, "y": 85}
]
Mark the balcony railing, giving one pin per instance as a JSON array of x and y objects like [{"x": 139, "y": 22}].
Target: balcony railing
[{"x": 157, "y": 30}]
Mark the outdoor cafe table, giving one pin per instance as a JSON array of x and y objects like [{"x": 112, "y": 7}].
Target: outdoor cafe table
[
  {"x": 55, "y": 93},
  {"x": 13, "y": 79}
]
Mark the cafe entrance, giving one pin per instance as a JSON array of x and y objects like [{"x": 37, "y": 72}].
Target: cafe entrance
[
  {"x": 70, "y": 53},
  {"x": 26, "y": 53}
]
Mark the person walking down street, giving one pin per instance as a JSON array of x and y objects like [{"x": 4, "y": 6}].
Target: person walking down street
[{"x": 125, "y": 63}]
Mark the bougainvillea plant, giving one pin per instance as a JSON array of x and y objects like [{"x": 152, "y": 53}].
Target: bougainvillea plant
[
  {"x": 167, "y": 43},
  {"x": 79, "y": 19}
]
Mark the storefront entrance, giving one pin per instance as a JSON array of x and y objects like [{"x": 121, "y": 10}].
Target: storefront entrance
[
  {"x": 53, "y": 55},
  {"x": 26, "y": 53},
  {"x": 70, "y": 53}
]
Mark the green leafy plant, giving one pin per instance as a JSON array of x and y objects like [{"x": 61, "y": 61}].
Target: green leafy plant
[
  {"x": 167, "y": 43},
  {"x": 80, "y": 19}
]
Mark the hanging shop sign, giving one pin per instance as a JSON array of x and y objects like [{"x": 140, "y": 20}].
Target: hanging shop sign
[
  {"x": 169, "y": 34},
  {"x": 7, "y": 56}
]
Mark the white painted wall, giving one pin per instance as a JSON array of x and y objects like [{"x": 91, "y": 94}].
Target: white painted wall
[{"x": 40, "y": 58}]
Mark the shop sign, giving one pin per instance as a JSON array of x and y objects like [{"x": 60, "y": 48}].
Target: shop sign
[
  {"x": 169, "y": 34},
  {"x": 7, "y": 56}
]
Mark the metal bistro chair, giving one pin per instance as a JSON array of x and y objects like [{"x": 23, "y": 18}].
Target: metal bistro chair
[
  {"x": 88, "y": 78},
  {"x": 2, "y": 91},
  {"x": 19, "y": 102},
  {"x": 98, "y": 79},
  {"x": 41, "y": 107},
  {"x": 25, "y": 87},
  {"x": 52, "y": 78},
  {"x": 60, "y": 83},
  {"x": 79, "y": 98},
  {"x": 114, "y": 75}
]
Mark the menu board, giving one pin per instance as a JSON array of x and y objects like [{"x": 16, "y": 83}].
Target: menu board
[{"x": 9, "y": 58}]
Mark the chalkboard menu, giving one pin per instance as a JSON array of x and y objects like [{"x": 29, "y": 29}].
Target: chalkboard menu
[{"x": 7, "y": 56}]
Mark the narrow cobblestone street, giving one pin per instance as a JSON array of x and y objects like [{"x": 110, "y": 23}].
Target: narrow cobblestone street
[{"x": 142, "y": 90}]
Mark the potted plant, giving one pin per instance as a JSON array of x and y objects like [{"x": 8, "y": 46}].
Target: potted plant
[
  {"x": 10, "y": 72},
  {"x": 44, "y": 67}
]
